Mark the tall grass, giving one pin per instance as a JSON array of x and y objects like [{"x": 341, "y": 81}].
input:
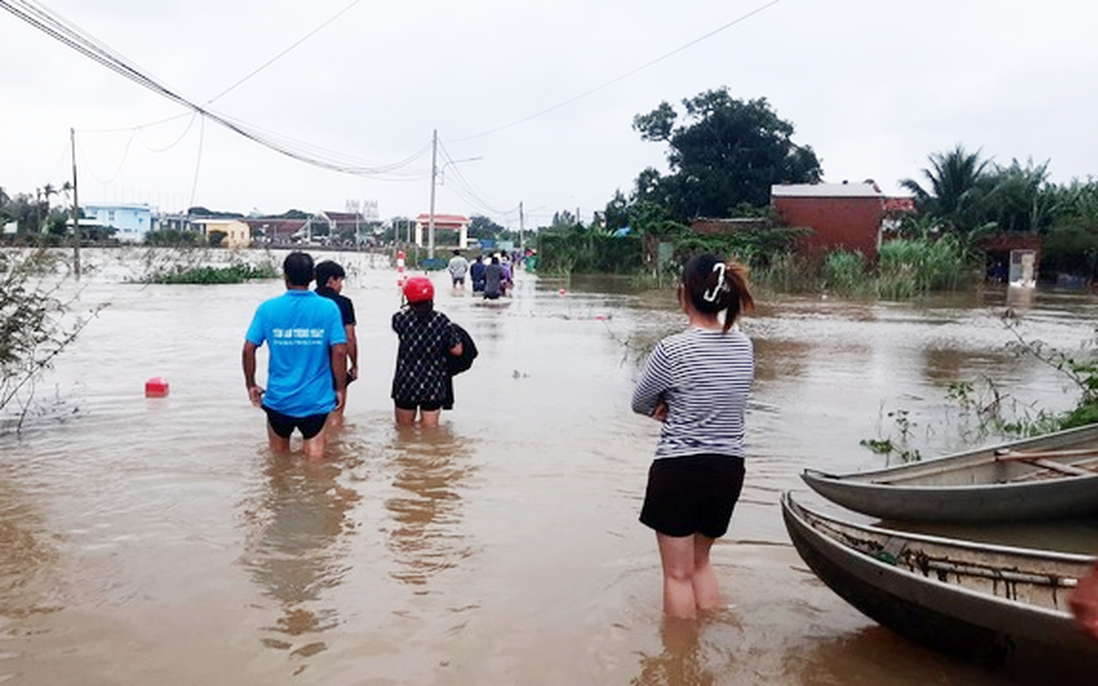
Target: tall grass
[
  {"x": 910, "y": 267},
  {"x": 788, "y": 273},
  {"x": 906, "y": 268},
  {"x": 845, "y": 273}
]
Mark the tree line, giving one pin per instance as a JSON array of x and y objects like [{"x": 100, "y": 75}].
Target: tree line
[{"x": 725, "y": 154}]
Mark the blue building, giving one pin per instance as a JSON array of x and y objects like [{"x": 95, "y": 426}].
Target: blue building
[{"x": 131, "y": 222}]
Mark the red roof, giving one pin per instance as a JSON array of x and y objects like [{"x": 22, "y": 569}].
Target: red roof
[{"x": 443, "y": 219}]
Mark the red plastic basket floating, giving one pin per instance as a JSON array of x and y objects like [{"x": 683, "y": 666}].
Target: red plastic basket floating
[{"x": 156, "y": 388}]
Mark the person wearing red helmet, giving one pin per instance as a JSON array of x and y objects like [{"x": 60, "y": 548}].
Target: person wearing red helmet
[{"x": 426, "y": 337}]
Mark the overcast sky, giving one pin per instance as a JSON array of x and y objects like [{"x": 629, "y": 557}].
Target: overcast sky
[{"x": 533, "y": 101}]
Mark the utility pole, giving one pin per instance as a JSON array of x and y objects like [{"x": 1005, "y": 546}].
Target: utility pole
[
  {"x": 522, "y": 236},
  {"x": 75, "y": 211},
  {"x": 431, "y": 216}
]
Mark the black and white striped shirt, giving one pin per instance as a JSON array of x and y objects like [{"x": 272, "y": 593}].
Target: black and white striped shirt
[{"x": 703, "y": 376}]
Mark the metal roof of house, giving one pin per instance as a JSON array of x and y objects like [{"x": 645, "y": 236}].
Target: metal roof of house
[
  {"x": 867, "y": 189},
  {"x": 116, "y": 205},
  {"x": 344, "y": 216}
]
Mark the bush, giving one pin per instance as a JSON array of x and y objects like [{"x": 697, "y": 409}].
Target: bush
[
  {"x": 35, "y": 325},
  {"x": 206, "y": 275}
]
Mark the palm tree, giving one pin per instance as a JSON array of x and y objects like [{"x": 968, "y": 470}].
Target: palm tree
[
  {"x": 1024, "y": 200},
  {"x": 958, "y": 190}
]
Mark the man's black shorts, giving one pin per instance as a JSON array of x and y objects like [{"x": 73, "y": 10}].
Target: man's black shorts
[
  {"x": 694, "y": 494},
  {"x": 284, "y": 424}
]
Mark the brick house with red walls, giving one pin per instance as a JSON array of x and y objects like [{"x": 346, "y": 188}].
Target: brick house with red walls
[{"x": 845, "y": 216}]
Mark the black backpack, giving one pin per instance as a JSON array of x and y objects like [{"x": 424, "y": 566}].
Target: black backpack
[{"x": 460, "y": 363}]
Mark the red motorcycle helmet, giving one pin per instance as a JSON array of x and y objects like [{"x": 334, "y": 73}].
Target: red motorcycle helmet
[{"x": 418, "y": 289}]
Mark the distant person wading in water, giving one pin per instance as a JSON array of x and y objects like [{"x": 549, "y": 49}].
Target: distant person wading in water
[
  {"x": 696, "y": 383},
  {"x": 493, "y": 279},
  {"x": 458, "y": 267},
  {"x": 476, "y": 274}
]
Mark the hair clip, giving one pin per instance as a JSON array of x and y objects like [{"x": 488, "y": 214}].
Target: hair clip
[{"x": 711, "y": 294}]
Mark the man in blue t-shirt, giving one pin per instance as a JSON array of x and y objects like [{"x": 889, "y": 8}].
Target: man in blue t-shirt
[{"x": 307, "y": 360}]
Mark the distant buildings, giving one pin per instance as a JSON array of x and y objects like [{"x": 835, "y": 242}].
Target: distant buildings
[
  {"x": 130, "y": 222},
  {"x": 847, "y": 216},
  {"x": 133, "y": 222},
  {"x": 452, "y": 228},
  {"x": 237, "y": 232}
]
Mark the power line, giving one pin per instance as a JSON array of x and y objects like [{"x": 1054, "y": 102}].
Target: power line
[
  {"x": 466, "y": 189},
  {"x": 271, "y": 61},
  {"x": 622, "y": 77},
  {"x": 74, "y": 37}
]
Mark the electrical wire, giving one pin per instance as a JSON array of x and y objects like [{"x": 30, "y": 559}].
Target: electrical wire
[
  {"x": 466, "y": 189},
  {"x": 71, "y": 35},
  {"x": 179, "y": 139},
  {"x": 622, "y": 77},
  {"x": 117, "y": 170},
  {"x": 274, "y": 59},
  {"x": 198, "y": 160}
]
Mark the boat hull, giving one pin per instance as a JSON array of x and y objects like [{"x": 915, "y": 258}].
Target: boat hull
[
  {"x": 992, "y": 484},
  {"x": 962, "y": 598}
]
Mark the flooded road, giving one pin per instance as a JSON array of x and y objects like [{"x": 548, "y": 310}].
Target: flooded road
[{"x": 156, "y": 541}]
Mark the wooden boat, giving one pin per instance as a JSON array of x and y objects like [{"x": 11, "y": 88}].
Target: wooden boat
[
  {"x": 1054, "y": 476},
  {"x": 974, "y": 600}
]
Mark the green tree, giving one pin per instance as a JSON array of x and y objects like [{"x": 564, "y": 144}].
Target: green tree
[
  {"x": 1071, "y": 245},
  {"x": 957, "y": 193},
  {"x": 725, "y": 153},
  {"x": 483, "y": 227},
  {"x": 616, "y": 215},
  {"x": 564, "y": 221},
  {"x": 1020, "y": 199},
  {"x": 21, "y": 209}
]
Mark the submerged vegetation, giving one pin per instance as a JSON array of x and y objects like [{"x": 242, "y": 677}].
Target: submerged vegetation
[
  {"x": 188, "y": 265},
  {"x": 986, "y": 409},
  {"x": 204, "y": 275},
  {"x": 36, "y": 323}
]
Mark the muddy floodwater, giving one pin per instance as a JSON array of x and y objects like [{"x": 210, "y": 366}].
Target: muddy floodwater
[{"x": 157, "y": 541}]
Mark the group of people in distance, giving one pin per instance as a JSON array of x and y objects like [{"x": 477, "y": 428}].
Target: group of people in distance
[
  {"x": 492, "y": 278},
  {"x": 695, "y": 383}
]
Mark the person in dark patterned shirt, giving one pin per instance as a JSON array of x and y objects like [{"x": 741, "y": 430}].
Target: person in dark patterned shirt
[{"x": 426, "y": 337}]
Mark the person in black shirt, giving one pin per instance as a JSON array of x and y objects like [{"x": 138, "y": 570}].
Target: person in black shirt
[
  {"x": 476, "y": 273},
  {"x": 493, "y": 279},
  {"x": 329, "y": 283}
]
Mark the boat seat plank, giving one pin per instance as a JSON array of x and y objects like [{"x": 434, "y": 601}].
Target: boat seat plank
[{"x": 1062, "y": 468}]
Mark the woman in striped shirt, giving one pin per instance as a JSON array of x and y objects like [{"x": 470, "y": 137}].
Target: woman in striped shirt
[{"x": 696, "y": 383}]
